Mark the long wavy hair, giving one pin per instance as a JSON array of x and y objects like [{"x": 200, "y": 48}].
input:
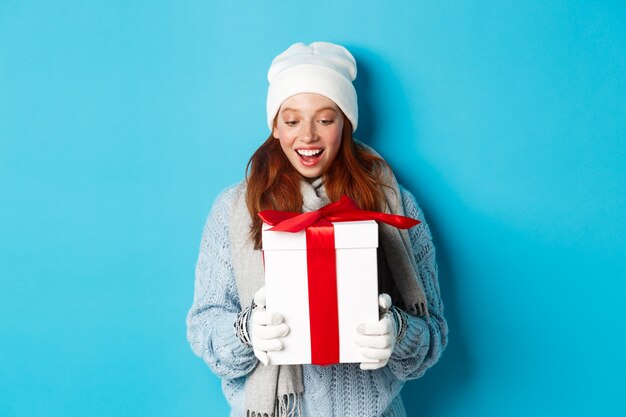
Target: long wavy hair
[{"x": 274, "y": 184}]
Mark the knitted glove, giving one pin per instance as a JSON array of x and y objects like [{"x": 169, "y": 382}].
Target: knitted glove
[
  {"x": 377, "y": 340},
  {"x": 266, "y": 329}
]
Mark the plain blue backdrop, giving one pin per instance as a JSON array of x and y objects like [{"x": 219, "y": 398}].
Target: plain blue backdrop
[{"x": 120, "y": 121}]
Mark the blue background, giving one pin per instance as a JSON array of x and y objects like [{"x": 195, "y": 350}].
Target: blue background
[{"x": 121, "y": 121}]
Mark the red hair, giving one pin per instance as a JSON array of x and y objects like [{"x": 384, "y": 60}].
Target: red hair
[{"x": 274, "y": 184}]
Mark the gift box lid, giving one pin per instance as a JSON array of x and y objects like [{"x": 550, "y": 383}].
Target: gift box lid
[{"x": 348, "y": 235}]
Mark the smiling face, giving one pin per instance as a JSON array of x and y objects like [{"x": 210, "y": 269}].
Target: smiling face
[{"x": 309, "y": 128}]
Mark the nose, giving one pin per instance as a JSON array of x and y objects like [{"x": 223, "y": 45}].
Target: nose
[{"x": 308, "y": 133}]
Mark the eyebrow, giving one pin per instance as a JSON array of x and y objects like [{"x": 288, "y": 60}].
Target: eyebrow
[{"x": 318, "y": 111}]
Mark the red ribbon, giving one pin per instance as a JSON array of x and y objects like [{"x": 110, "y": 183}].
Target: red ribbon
[{"x": 322, "y": 266}]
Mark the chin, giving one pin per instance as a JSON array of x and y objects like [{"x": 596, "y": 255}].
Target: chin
[{"x": 310, "y": 175}]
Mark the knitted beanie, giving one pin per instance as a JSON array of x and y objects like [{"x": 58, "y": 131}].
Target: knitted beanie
[{"x": 321, "y": 67}]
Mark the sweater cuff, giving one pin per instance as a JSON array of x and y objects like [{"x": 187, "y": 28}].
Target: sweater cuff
[
  {"x": 415, "y": 340},
  {"x": 225, "y": 330}
]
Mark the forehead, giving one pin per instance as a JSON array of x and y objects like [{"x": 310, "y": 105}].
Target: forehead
[{"x": 308, "y": 102}]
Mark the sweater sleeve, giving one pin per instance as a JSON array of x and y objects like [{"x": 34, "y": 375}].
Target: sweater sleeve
[
  {"x": 425, "y": 338},
  {"x": 215, "y": 306}
]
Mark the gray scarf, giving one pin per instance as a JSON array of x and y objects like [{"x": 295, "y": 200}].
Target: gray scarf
[{"x": 274, "y": 390}]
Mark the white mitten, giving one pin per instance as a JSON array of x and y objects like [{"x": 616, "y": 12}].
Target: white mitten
[
  {"x": 378, "y": 339},
  {"x": 266, "y": 329}
]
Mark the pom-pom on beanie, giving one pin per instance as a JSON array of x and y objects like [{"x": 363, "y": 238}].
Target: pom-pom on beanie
[{"x": 321, "y": 67}]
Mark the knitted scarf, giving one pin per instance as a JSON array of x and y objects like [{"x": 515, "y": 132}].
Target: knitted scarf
[{"x": 275, "y": 390}]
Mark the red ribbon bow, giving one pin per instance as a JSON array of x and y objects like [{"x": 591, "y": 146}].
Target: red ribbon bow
[
  {"x": 322, "y": 266},
  {"x": 344, "y": 210}
]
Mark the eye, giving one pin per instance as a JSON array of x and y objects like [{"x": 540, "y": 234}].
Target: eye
[
  {"x": 291, "y": 123},
  {"x": 326, "y": 122}
]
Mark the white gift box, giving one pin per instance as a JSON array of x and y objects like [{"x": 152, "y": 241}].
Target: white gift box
[{"x": 286, "y": 285}]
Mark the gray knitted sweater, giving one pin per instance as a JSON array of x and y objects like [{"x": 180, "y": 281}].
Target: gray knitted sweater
[{"x": 336, "y": 390}]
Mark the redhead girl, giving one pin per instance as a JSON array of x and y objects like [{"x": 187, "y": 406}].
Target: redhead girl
[{"x": 309, "y": 160}]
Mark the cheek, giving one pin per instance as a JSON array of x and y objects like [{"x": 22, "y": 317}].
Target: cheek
[
  {"x": 332, "y": 149},
  {"x": 282, "y": 135},
  {"x": 335, "y": 142},
  {"x": 285, "y": 145}
]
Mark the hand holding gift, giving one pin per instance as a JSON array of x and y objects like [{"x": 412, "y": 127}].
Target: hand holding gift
[
  {"x": 377, "y": 339},
  {"x": 266, "y": 329}
]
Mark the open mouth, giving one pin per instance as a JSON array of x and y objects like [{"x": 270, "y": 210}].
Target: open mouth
[{"x": 310, "y": 157}]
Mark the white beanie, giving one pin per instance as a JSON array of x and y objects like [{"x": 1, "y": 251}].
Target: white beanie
[{"x": 321, "y": 67}]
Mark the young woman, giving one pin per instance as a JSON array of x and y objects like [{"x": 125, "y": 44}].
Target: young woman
[{"x": 309, "y": 160}]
